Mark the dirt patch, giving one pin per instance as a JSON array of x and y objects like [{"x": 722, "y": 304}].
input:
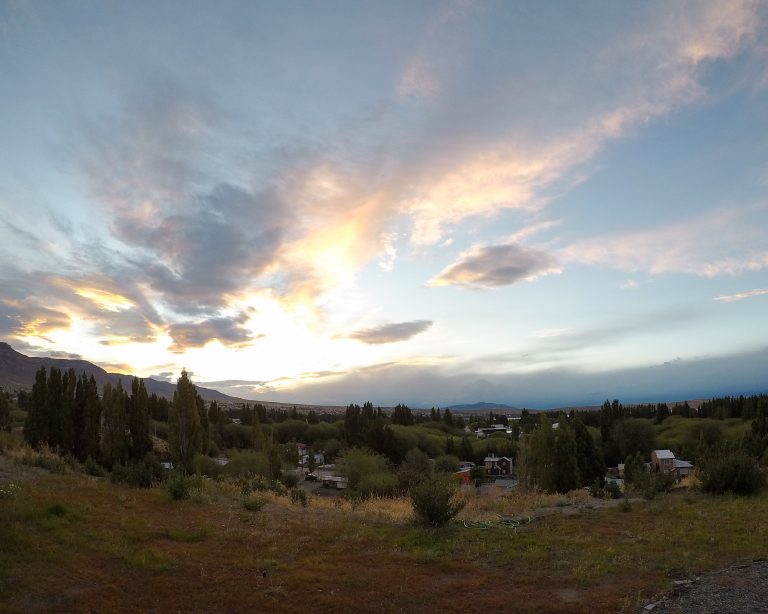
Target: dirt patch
[{"x": 739, "y": 589}]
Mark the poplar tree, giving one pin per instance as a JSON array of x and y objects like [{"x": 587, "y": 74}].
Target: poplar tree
[
  {"x": 138, "y": 419},
  {"x": 36, "y": 425},
  {"x": 184, "y": 420},
  {"x": 90, "y": 427},
  {"x": 5, "y": 411},
  {"x": 114, "y": 443}
]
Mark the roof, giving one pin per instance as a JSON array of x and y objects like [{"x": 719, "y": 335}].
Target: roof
[
  {"x": 681, "y": 464},
  {"x": 664, "y": 454}
]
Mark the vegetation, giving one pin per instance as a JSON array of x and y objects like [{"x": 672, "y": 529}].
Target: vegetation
[
  {"x": 734, "y": 472},
  {"x": 434, "y": 499}
]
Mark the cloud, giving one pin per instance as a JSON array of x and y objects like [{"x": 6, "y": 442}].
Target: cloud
[
  {"x": 27, "y": 318},
  {"x": 57, "y": 354},
  {"x": 391, "y": 333},
  {"x": 489, "y": 148},
  {"x": 730, "y": 298},
  {"x": 164, "y": 376},
  {"x": 723, "y": 241},
  {"x": 427, "y": 386},
  {"x": 495, "y": 266},
  {"x": 229, "y": 331}
]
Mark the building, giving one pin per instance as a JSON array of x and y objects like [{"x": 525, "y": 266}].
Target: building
[
  {"x": 496, "y": 465},
  {"x": 662, "y": 461},
  {"x": 681, "y": 468}
]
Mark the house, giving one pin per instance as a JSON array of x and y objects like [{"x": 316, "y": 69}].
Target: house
[
  {"x": 662, "y": 461},
  {"x": 681, "y": 468},
  {"x": 495, "y": 465},
  {"x": 335, "y": 481},
  {"x": 490, "y": 430}
]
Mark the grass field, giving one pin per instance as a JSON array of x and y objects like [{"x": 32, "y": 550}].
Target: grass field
[{"x": 70, "y": 542}]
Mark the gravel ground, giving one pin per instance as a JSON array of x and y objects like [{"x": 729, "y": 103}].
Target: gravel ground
[{"x": 739, "y": 589}]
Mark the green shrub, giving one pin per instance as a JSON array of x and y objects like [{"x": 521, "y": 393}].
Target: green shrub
[
  {"x": 179, "y": 486},
  {"x": 142, "y": 474},
  {"x": 248, "y": 464},
  {"x": 289, "y": 480},
  {"x": 205, "y": 465},
  {"x": 656, "y": 484},
  {"x": 54, "y": 464},
  {"x": 299, "y": 497},
  {"x": 733, "y": 472},
  {"x": 57, "y": 509},
  {"x": 434, "y": 499},
  {"x": 447, "y": 463},
  {"x": 254, "y": 503},
  {"x": 92, "y": 467}
]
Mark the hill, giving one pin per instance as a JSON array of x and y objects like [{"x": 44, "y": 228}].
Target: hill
[
  {"x": 17, "y": 371},
  {"x": 482, "y": 406}
]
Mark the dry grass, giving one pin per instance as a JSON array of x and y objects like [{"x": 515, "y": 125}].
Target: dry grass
[{"x": 74, "y": 543}]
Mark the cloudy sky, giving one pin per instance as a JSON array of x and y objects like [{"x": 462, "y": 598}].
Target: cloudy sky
[{"x": 536, "y": 203}]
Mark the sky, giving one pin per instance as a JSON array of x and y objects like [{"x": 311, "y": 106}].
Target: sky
[{"x": 531, "y": 203}]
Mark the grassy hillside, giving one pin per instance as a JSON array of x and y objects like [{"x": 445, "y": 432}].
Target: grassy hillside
[{"x": 70, "y": 542}]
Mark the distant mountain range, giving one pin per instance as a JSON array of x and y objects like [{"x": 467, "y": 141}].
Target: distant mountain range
[
  {"x": 17, "y": 371},
  {"x": 484, "y": 407}
]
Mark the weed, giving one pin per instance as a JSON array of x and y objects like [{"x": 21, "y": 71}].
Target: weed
[
  {"x": 254, "y": 503},
  {"x": 57, "y": 509},
  {"x": 299, "y": 497},
  {"x": 9, "y": 491},
  {"x": 197, "y": 534}
]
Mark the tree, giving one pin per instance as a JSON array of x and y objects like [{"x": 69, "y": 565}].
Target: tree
[
  {"x": 367, "y": 474},
  {"x": 414, "y": 467},
  {"x": 402, "y": 415},
  {"x": 467, "y": 452},
  {"x": 114, "y": 443},
  {"x": 36, "y": 424},
  {"x": 5, "y": 411},
  {"x": 588, "y": 457},
  {"x": 565, "y": 466},
  {"x": 138, "y": 420},
  {"x": 447, "y": 463},
  {"x": 185, "y": 431},
  {"x": 90, "y": 427}
]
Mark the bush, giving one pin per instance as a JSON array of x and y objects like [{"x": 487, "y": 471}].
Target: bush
[
  {"x": 734, "y": 472},
  {"x": 160, "y": 429},
  {"x": 139, "y": 475},
  {"x": 205, "y": 465},
  {"x": 656, "y": 484},
  {"x": 299, "y": 497},
  {"x": 92, "y": 467},
  {"x": 435, "y": 499},
  {"x": 248, "y": 464},
  {"x": 179, "y": 486},
  {"x": 448, "y": 463},
  {"x": 289, "y": 480},
  {"x": 254, "y": 503}
]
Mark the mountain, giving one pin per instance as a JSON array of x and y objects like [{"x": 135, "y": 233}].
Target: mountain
[
  {"x": 483, "y": 407},
  {"x": 18, "y": 371}
]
